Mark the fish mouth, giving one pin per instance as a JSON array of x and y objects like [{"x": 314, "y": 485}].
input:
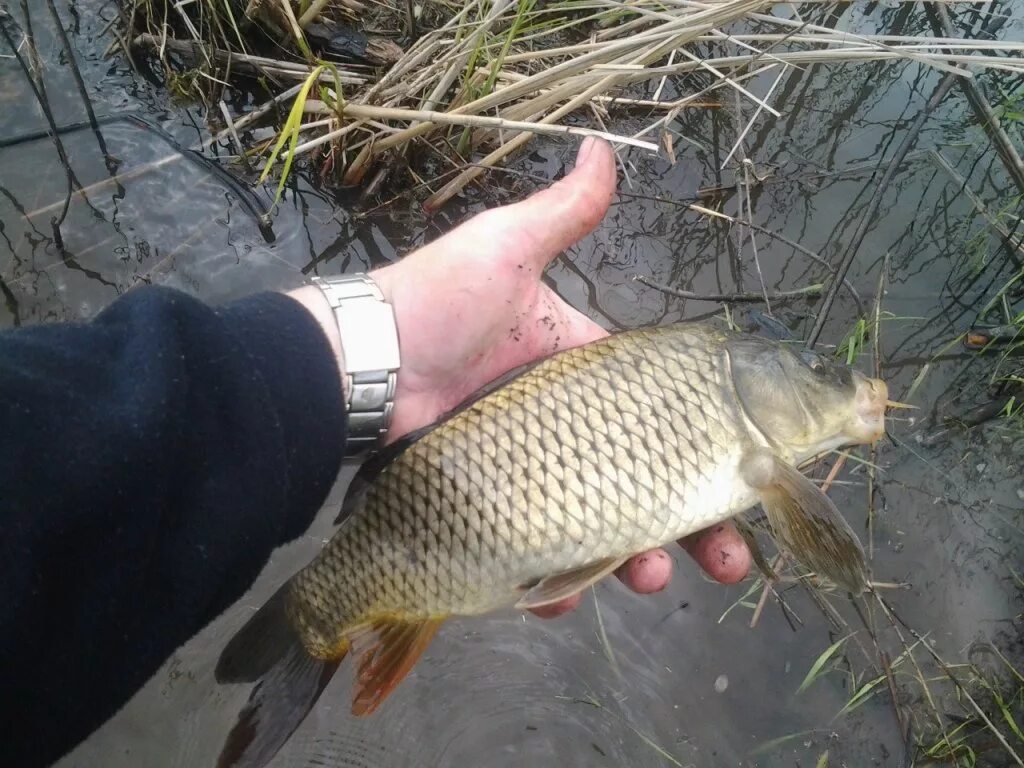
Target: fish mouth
[{"x": 869, "y": 409}]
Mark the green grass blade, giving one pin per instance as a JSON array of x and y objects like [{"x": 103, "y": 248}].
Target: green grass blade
[
  {"x": 860, "y": 697},
  {"x": 290, "y": 134},
  {"x": 817, "y": 668},
  {"x": 524, "y": 8}
]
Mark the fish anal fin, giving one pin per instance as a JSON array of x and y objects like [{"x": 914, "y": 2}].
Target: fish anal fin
[
  {"x": 559, "y": 586},
  {"x": 387, "y": 650},
  {"x": 806, "y": 521}
]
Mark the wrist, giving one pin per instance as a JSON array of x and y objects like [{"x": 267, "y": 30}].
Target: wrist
[
  {"x": 314, "y": 301},
  {"x": 389, "y": 282},
  {"x": 368, "y": 354}
]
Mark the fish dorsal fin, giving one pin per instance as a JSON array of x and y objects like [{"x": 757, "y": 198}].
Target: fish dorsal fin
[
  {"x": 805, "y": 520},
  {"x": 373, "y": 466},
  {"x": 559, "y": 586},
  {"x": 386, "y": 651}
]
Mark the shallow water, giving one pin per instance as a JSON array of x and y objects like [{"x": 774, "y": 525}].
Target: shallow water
[{"x": 505, "y": 690}]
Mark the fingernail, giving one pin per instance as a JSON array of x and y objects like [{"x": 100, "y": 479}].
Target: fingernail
[{"x": 585, "y": 149}]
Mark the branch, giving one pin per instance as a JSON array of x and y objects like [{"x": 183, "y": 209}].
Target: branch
[
  {"x": 868, "y": 218},
  {"x": 808, "y": 291}
]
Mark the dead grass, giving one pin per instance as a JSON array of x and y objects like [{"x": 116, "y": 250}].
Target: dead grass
[{"x": 476, "y": 81}]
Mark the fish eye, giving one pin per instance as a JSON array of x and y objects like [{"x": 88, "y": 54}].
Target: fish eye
[{"x": 814, "y": 362}]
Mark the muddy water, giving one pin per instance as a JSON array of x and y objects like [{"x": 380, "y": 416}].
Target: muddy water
[{"x": 682, "y": 679}]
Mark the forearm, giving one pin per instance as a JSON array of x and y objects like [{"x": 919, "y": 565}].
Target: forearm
[{"x": 150, "y": 461}]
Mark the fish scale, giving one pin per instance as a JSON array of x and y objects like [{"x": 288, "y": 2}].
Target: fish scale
[{"x": 601, "y": 451}]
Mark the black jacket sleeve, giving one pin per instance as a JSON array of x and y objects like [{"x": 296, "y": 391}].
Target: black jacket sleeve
[{"x": 150, "y": 461}]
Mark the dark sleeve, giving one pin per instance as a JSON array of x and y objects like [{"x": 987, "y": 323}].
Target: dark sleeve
[{"x": 150, "y": 461}]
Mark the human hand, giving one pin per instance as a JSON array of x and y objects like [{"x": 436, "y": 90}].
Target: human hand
[{"x": 471, "y": 306}]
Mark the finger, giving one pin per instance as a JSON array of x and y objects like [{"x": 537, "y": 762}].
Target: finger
[
  {"x": 648, "y": 572},
  {"x": 557, "y": 609},
  {"x": 720, "y": 551},
  {"x": 555, "y": 218}
]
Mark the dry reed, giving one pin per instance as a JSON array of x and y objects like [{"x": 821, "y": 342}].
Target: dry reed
[{"x": 489, "y": 76}]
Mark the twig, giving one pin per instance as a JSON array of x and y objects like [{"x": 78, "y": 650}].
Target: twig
[
  {"x": 234, "y": 135},
  {"x": 769, "y": 588},
  {"x": 1016, "y": 242},
  {"x": 1011, "y": 157},
  {"x": 410, "y": 20},
  {"x": 833, "y": 473},
  {"x": 368, "y": 112},
  {"x": 753, "y": 118},
  {"x": 300, "y": 37},
  {"x": 771, "y": 233},
  {"x": 808, "y": 291},
  {"x": 949, "y": 673},
  {"x": 746, "y": 208},
  {"x": 705, "y": 192},
  {"x": 255, "y": 115},
  {"x": 891, "y": 682},
  {"x": 76, "y": 73},
  {"x": 876, "y": 344},
  {"x": 312, "y": 12},
  {"x": 868, "y": 218},
  {"x": 38, "y": 87},
  {"x": 602, "y": 635},
  {"x": 890, "y": 584},
  {"x": 747, "y": 164},
  {"x": 625, "y": 52},
  {"x": 615, "y": 101}
]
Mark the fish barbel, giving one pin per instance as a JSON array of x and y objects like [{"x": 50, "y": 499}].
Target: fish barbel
[{"x": 543, "y": 486}]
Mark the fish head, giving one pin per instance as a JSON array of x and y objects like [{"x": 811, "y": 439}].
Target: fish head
[{"x": 803, "y": 402}]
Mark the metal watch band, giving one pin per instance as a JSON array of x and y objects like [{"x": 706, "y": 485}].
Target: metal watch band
[{"x": 369, "y": 344}]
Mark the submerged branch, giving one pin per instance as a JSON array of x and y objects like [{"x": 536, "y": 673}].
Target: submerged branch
[
  {"x": 868, "y": 218},
  {"x": 1004, "y": 145},
  {"x": 808, "y": 291}
]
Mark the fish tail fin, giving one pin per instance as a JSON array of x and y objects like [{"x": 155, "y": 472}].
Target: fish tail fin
[
  {"x": 269, "y": 652},
  {"x": 387, "y": 649}
]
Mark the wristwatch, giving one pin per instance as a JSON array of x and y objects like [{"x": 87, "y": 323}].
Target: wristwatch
[{"x": 369, "y": 345}]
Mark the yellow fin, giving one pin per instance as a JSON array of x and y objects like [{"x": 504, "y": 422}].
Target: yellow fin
[
  {"x": 806, "y": 521},
  {"x": 387, "y": 650},
  {"x": 558, "y": 586}
]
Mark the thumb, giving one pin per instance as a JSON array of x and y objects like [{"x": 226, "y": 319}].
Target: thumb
[{"x": 557, "y": 217}]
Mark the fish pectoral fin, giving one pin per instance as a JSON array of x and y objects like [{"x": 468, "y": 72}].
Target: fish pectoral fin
[
  {"x": 387, "y": 650},
  {"x": 746, "y": 531},
  {"x": 559, "y": 586},
  {"x": 805, "y": 520}
]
